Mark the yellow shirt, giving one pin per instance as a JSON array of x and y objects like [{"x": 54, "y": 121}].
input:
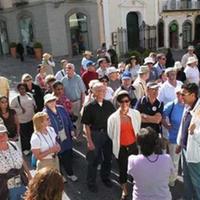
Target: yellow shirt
[{"x": 4, "y": 86}]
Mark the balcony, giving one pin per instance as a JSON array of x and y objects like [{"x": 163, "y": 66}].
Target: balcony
[
  {"x": 18, "y": 3},
  {"x": 172, "y": 5}
]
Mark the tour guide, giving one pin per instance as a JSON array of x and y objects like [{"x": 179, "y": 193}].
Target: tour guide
[{"x": 94, "y": 118}]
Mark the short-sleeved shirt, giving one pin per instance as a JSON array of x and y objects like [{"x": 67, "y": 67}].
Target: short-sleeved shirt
[
  {"x": 87, "y": 76},
  {"x": 4, "y": 86},
  {"x": 73, "y": 87},
  {"x": 144, "y": 106},
  {"x": 192, "y": 74},
  {"x": 44, "y": 141},
  {"x": 174, "y": 111},
  {"x": 96, "y": 115},
  {"x": 151, "y": 179}
]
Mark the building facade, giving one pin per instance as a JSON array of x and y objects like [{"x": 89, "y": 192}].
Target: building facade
[
  {"x": 64, "y": 27},
  {"x": 178, "y": 23}
]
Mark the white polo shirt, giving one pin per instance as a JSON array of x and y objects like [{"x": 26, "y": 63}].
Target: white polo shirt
[
  {"x": 192, "y": 74},
  {"x": 167, "y": 92}
]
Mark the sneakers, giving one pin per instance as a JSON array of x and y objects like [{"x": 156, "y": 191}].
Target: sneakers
[{"x": 73, "y": 178}]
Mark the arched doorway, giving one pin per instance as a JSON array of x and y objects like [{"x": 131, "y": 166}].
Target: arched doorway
[
  {"x": 173, "y": 35},
  {"x": 78, "y": 24},
  {"x": 4, "y": 49},
  {"x": 160, "y": 34},
  {"x": 132, "y": 30},
  {"x": 187, "y": 33},
  {"x": 197, "y": 28},
  {"x": 26, "y": 32}
]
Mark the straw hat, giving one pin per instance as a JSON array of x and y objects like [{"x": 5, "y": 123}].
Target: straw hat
[{"x": 191, "y": 60}]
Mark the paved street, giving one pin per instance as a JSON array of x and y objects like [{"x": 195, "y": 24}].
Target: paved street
[{"x": 13, "y": 69}]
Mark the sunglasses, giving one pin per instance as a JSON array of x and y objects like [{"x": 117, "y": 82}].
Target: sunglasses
[
  {"x": 105, "y": 81},
  {"x": 4, "y": 101},
  {"x": 125, "y": 101},
  {"x": 163, "y": 58}
]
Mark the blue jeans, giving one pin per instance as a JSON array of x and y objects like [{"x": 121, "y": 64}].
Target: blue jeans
[
  {"x": 16, "y": 193},
  {"x": 191, "y": 179}
]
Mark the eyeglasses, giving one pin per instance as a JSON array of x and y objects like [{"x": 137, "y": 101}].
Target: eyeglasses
[
  {"x": 104, "y": 81},
  {"x": 186, "y": 94},
  {"x": 125, "y": 101}
]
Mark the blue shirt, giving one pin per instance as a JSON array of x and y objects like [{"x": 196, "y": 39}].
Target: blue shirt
[
  {"x": 73, "y": 87},
  {"x": 159, "y": 69},
  {"x": 174, "y": 111},
  {"x": 61, "y": 120}
]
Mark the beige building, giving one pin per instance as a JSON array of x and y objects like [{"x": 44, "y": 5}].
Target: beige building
[
  {"x": 64, "y": 27},
  {"x": 178, "y": 23}
]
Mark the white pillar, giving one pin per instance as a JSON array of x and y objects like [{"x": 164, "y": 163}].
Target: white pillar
[
  {"x": 107, "y": 23},
  {"x": 166, "y": 35}
]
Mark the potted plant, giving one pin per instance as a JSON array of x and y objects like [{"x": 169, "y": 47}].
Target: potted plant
[
  {"x": 38, "y": 50},
  {"x": 13, "y": 49}
]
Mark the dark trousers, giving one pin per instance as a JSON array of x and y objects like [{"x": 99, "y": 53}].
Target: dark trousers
[
  {"x": 124, "y": 153},
  {"x": 65, "y": 159},
  {"x": 26, "y": 130},
  {"x": 101, "y": 154}
]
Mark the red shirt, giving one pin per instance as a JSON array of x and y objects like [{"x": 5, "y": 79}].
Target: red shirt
[{"x": 87, "y": 76}]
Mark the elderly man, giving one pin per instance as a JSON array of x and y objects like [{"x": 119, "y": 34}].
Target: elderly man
[
  {"x": 126, "y": 85},
  {"x": 89, "y": 74},
  {"x": 140, "y": 82},
  {"x": 188, "y": 141},
  {"x": 60, "y": 74},
  {"x": 185, "y": 57},
  {"x": 99, "y": 145},
  {"x": 103, "y": 65},
  {"x": 74, "y": 90},
  {"x": 167, "y": 91},
  {"x": 113, "y": 75},
  {"x": 153, "y": 76},
  {"x": 192, "y": 71},
  {"x": 151, "y": 108},
  {"x": 160, "y": 65}
]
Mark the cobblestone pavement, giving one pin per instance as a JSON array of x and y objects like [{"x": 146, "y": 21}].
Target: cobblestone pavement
[{"x": 13, "y": 69}]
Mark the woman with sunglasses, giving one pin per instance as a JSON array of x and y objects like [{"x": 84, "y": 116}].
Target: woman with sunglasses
[
  {"x": 109, "y": 91},
  {"x": 9, "y": 118},
  {"x": 61, "y": 122},
  {"x": 123, "y": 127}
]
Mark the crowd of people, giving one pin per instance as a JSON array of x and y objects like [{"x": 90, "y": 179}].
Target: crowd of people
[{"x": 142, "y": 112}]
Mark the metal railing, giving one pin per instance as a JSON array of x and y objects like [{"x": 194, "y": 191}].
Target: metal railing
[{"x": 180, "y": 5}]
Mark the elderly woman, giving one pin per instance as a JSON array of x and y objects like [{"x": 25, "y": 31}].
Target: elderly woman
[
  {"x": 151, "y": 171},
  {"x": 123, "y": 127},
  {"x": 33, "y": 89},
  {"x": 12, "y": 181},
  {"x": 9, "y": 118},
  {"x": 43, "y": 142},
  {"x": 24, "y": 105},
  {"x": 47, "y": 184},
  {"x": 47, "y": 60},
  {"x": 61, "y": 122}
]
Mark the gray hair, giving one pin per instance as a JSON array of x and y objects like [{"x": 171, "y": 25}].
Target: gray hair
[
  {"x": 97, "y": 86},
  {"x": 70, "y": 64}
]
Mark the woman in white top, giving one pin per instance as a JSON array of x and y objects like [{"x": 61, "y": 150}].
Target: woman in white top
[
  {"x": 25, "y": 106},
  {"x": 109, "y": 91},
  {"x": 12, "y": 183},
  {"x": 43, "y": 142}
]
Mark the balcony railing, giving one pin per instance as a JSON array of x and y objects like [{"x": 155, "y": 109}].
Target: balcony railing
[{"x": 181, "y": 5}]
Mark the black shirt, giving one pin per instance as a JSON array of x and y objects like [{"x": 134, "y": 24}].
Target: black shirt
[
  {"x": 96, "y": 115},
  {"x": 144, "y": 106}
]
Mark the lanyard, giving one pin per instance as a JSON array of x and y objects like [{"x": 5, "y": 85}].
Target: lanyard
[{"x": 46, "y": 139}]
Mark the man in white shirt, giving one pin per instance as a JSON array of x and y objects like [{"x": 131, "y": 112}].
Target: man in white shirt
[
  {"x": 192, "y": 71},
  {"x": 185, "y": 57},
  {"x": 167, "y": 91}
]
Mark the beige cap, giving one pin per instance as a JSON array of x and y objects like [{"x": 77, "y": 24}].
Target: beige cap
[
  {"x": 49, "y": 97},
  {"x": 143, "y": 69}
]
